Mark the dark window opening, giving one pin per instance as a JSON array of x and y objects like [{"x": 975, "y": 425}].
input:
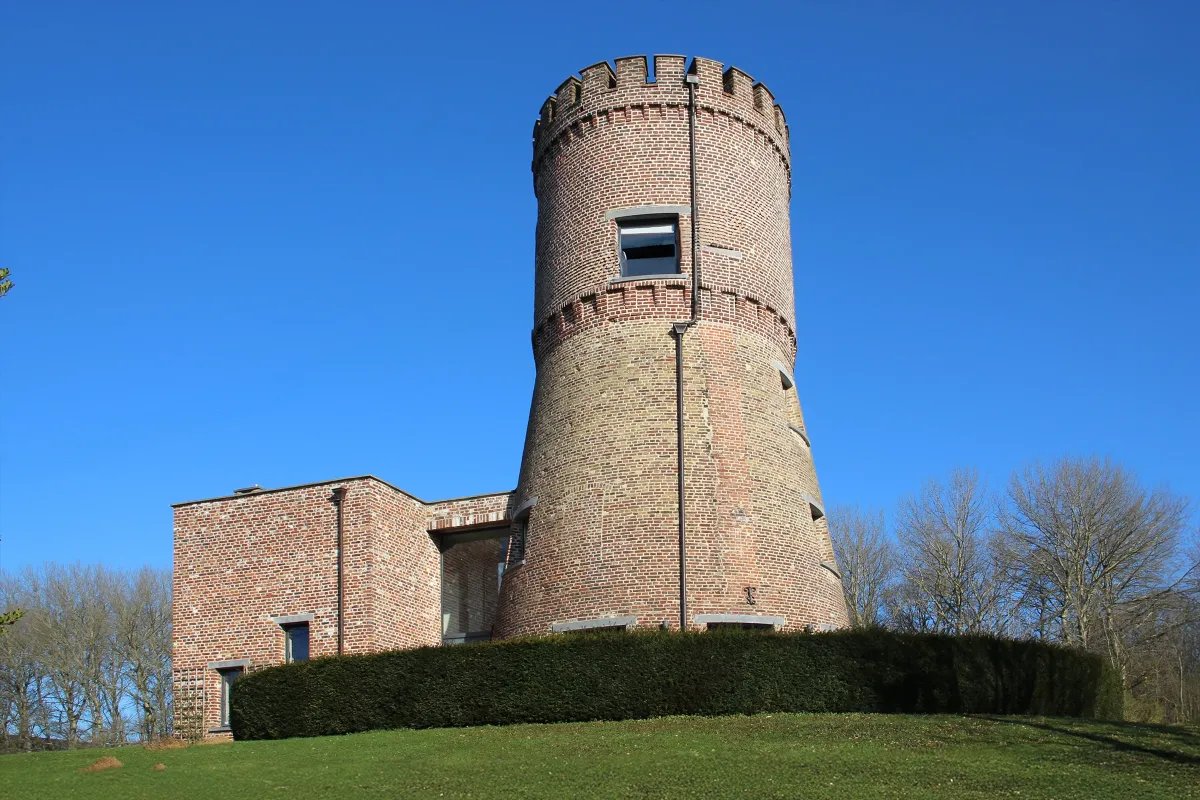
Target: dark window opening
[
  {"x": 473, "y": 565},
  {"x": 816, "y": 511},
  {"x": 295, "y": 637},
  {"x": 228, "y": 676},
  {"x": 726, "y": 627},
  {"x": 516, "y": 541},
  {"x": 649, "y": 246},
  {"x": 791, "y": 398},
  {"x": 606, "y": 630}
]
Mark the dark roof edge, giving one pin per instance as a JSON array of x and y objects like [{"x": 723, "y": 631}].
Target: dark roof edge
[
  {"x": 294, "y": 487},
  {"x": 335, "y": 480}
]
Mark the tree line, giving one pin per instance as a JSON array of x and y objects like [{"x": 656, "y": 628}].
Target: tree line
[
  {"x": 88, "y": 662},
  {"x": 1076, "y": 552}
]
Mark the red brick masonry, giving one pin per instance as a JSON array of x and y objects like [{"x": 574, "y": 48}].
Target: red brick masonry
[{"x": 242, "y": 560}]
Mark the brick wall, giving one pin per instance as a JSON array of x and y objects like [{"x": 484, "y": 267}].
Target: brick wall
[{"x": 241, "y": 560}]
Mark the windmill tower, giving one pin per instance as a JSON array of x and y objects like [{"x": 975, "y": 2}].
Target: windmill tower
[{"x": 664, "y": 284}]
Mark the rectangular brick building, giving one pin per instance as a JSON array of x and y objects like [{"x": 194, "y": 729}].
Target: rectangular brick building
[{"x": 257, "y": 579}]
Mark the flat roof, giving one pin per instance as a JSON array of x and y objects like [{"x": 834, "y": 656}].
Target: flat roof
[{"x": 337, "y": 480}]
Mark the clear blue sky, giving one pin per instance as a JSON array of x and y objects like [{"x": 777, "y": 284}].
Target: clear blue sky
[{"x": 224, "y": 224}]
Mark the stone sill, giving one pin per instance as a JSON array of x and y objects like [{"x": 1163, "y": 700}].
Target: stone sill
[{"x": 671, "y": 276}]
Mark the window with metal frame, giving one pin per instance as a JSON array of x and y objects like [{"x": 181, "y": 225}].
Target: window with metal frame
[
  {"x": 295, "y": 642},
  {"x": 648, "y": 246},
  {"x": 228, "y": 677},
  {"x": 473, "y": 564}
]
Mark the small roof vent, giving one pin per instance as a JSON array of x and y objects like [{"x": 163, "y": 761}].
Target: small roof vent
[{"x": 249, "y": 490}]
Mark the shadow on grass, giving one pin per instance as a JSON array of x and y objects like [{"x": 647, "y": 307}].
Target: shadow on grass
[{"x": 1185, "y": 737}]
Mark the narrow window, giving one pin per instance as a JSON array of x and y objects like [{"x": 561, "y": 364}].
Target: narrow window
[
  {"x": 295, "y": 638},
  {"x": 791, "y": 400},
  {"x": 601, "y": 625},
  {"x": 726, "y": 627},
  {"x": 516, "y": 541},
  {"x": 228, "y": 676},
  {"x": 502, "y": 562},
  {"x": 605, "y": 630},
  {"x": 649, "y": 246}
]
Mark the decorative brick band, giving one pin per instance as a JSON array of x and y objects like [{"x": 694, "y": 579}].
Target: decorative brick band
[
  {"x": 469, "y": 512},
  {"x": 661, "y": 298},
  {"x": 591, "y": 122}
]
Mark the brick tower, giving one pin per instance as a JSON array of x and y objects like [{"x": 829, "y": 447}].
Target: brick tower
[{"x": 663, "y": 260}]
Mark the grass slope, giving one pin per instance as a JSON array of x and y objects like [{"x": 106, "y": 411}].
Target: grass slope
[{"x": 781, "y": 755}]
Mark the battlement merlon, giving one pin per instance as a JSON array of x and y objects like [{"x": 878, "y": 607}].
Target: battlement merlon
[{"x": 601, "y": 88}]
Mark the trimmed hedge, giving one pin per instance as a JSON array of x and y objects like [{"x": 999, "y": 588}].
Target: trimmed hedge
[{"x": 577, "y": 678}]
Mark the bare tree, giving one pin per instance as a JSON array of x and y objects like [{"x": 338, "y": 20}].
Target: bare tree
[
  {"x": 1105, "y": 549},
  {"x": 951, "y": 582},
  {"x": 144, "y": 648},
  {"x": 1164, "y": 678},
  {"x": 90, "y": 661},
  {"x": 20, "y": 674},
  {"x": 866, "y": 559}
]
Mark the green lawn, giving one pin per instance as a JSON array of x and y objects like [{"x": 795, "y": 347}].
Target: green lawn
[{"x": 780, "y": 755}]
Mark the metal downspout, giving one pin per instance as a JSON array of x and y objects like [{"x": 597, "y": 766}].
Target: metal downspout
[
  {"x": 693, "y": 81},
  {"x": 678, "y": 329},
  {"x": 339, "y": 499}
]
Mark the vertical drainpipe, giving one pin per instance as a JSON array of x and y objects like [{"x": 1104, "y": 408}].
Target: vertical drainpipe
[
  {"x": 339, "y": 499},
  {"x": 693, "y": 81},
  {"x": 678, "y": 329}
]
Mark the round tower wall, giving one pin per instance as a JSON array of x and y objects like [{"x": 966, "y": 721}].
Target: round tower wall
[
  {"x": 601, "y": 460},
  {"x": 601, "y": 150},
  {"x": 599, "y": 467}
]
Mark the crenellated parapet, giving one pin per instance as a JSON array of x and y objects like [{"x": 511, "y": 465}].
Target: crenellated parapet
[{"x": 603, "y": 96}]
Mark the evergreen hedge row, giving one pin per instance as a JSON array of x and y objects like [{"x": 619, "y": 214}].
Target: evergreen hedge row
[{"x": 572, "y": 678}]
